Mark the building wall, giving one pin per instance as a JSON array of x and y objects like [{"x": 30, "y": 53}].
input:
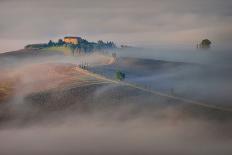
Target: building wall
[{"x": 71, "y": 40}]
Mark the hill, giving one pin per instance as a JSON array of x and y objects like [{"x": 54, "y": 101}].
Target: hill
[{"x": 83, "y": 46}]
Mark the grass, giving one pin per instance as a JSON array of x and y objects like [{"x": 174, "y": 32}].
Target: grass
[
  {"x": 5, "y": 90},
  {"x": 63, "y": 49}
]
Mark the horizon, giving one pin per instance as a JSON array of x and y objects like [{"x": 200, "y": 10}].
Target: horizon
[{"x": 143, "y": 24}]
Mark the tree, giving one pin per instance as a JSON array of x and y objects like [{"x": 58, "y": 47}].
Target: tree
[
  {"x": 120, "y": 75},
  {"x": 111, "y": 44},
  {"x": 100, "y": 42},
  {"x": 50, "y": 43},
  {"x": 205, "y": 44},
  {"x": 60, "y": 42}
]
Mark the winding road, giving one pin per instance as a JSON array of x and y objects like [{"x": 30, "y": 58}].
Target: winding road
[{"x": 184, "y": 100}]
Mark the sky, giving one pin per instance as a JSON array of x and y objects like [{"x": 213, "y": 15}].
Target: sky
[{"x": 133, "y": 22}]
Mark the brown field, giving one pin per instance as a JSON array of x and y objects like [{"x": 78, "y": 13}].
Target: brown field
[
  {"x": 42, "y": 77},
  {"x": 6, "y": 88}
]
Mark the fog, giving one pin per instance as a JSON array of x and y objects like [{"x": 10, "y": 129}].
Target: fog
[
  {"x": 51, "y": 108},
  {"x": 111, "y": 118},
  {"x": 215, "y": 56},
  {"x": 98, "y": 135}
]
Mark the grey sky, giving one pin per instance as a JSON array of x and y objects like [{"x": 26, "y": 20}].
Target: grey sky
[{"x": 135, "y": 22}]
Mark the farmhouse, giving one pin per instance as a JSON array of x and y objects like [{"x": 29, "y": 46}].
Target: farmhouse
[{"x": 71, "y": 40}]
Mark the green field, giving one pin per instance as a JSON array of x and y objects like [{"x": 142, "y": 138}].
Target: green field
[{"x": 63, "y": 49}]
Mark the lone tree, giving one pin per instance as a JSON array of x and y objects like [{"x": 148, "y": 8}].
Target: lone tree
[
  {"x": 120, "y": 75},
  {"x": 205, "y": 44}
]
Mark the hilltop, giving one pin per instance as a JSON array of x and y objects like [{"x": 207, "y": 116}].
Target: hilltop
[{"x": 74, "y": 45}]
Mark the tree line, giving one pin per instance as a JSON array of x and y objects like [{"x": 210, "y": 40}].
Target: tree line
[{"x": 82, "y": 46}]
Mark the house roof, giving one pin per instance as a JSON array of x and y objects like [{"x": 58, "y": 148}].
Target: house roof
[{"x": 72, "y": 37}]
